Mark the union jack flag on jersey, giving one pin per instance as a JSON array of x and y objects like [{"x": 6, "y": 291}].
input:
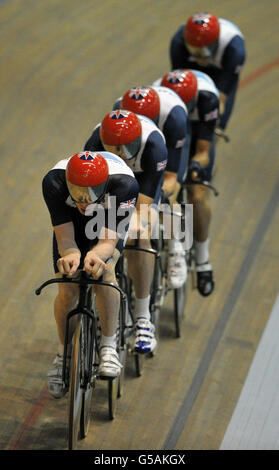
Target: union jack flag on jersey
[
  {"x": 176, "y": 76},
  {"x": 137, "y": 93},
  {"x": 128, "y": 204},
  {"x": 119, "y": 114}
]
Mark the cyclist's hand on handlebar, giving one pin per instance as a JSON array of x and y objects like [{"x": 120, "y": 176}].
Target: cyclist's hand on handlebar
[
  {"x": 94, "y": 265},
  {"x": 195, "y": 171},
  {"x": 69, "y": 264}
]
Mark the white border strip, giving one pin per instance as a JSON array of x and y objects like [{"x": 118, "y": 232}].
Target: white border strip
[{"x": 255, "y": 421}]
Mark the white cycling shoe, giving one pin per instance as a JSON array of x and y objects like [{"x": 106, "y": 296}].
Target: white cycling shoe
[
  {"x": 177, "y": 269},
  {"x": 145, "y": 341},
  {"x": 109, "y": 366},
  {"x": 55, "y": 384}
]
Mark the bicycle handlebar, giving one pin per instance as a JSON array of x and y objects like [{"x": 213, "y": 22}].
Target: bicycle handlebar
[
  {"x": 208, "y": 185},
  {"x": 204, "y": 183},
  {"x": 138, "y": 248},
  {"x": 83, "y": 280}
]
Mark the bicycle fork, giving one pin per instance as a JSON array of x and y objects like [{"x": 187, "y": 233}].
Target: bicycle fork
[{"x": 81, "y": 309}]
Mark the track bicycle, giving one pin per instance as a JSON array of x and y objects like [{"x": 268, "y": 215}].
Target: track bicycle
[
  {"x": 162, "y": 248},
  {"x": 80, "y": 373},
  {"x": 180, "y": 294}
]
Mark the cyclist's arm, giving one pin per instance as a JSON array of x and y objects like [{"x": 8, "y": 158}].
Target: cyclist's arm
[
  {"x": 65, "y": 237},
  {"x": 143, "y": 204},
  {"x": 67, "y": 248},
  {"x": 202, "y": 152},
  {"x": 222, "y": 103},
  {"x": 95, "y": 260},
  {"x": 232, "y": 63},
  {"x": 140, "y": 217},
  {"x": 175, "y": 132},
  {"x": 107, "y": 242},
  {"x": 153, "y": 162},
  {"x": 177, "y": 51}
]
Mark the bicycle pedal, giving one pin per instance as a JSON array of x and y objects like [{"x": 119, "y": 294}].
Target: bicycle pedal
[
  {"x": 131, "y": 351},
  {"x": 93, "y": 382}
]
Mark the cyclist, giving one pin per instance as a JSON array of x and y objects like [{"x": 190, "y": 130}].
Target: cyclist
[
  {"x": 214, "y": 46},
  {"x": 168, "y": 111},
  {"x": 84, "y": 192},
  {"x": 137, "y": 140},
  {"x": 201, "y": 97}
]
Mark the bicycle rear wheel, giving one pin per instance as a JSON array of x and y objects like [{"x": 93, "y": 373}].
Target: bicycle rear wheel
[
  {"x": 179, "y": 304},
  {"x": 158, "y": 288},
  {"x": 75, "y": 390},
  {"x": 112, "y": 396},
  {"x": 139, "y": 358},
  {"x": 122, "y": 358}
]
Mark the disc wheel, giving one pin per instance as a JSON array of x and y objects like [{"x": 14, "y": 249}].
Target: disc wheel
[
  {"x": 112, "y": 396},
  {"x": 179, "y": 304},
  {"x": 139, "y": 358}
]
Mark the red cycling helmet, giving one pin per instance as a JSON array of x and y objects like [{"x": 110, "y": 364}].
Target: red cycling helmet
[
  {"x": 202, "y": 30},
  {"x": 120, "y": 133},
  {"x": 142, "y": 100},
  {"x": 183, "y": 82},
  {"x": 87, "y": 176}
]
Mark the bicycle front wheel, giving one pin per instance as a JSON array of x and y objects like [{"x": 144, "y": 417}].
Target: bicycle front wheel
[
  {"x": 89, "y": 346},
  {"x": 75, "y": 390},
  {"x": 86, "y": 408}
]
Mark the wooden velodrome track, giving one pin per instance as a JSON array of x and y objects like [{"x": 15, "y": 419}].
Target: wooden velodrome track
[{"x": 63, "y": 63}]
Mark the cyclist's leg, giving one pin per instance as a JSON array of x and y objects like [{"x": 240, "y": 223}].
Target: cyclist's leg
[
  {"x": 141, "y": 271},
  {"x": 199, "y": 197},
  {"x": 65, "y": 301},
  {"x": 108, "y": 299},
  {"x": 176, "y": 265},
  {"x": 108, "y": 304},
  {"x": 141, "y": 264}
]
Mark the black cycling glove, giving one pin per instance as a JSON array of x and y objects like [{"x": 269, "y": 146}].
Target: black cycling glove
[{"x": 195, "y": 166}]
